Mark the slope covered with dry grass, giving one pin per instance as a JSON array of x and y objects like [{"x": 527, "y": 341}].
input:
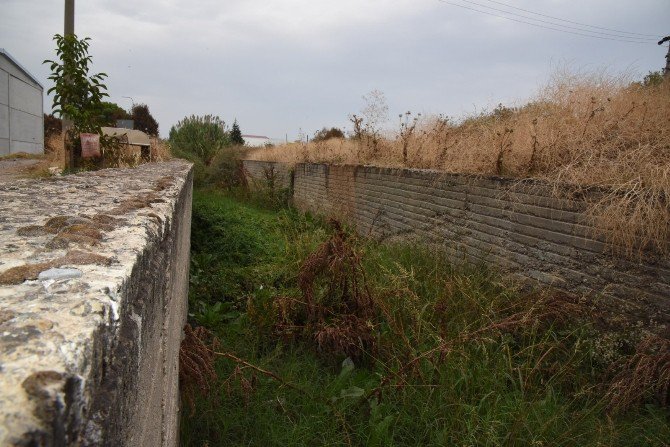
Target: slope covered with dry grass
[{"x": 581, "y": 130}]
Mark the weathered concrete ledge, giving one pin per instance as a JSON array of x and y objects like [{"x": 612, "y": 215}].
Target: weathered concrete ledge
[{"x": 93, "y": 298}]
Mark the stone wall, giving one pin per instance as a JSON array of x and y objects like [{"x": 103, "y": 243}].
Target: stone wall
[
  {"x": 522, "y": 227},
  {"x": 93, "y": 298}
]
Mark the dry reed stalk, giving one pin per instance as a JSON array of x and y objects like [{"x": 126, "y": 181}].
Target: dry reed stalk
[{"x": 160, "y": 150}]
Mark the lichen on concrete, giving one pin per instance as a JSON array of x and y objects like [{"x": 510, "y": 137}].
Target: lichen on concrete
[{"x": 88, "y": 350}]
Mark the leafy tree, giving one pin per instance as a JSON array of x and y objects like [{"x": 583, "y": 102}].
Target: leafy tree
[
  {"x": 326, "y": 134},
  {"x": 199, "y": 137},
  {"x": 236, "y": 135},
  {"x": 144, "y": 121},
  {"x": 111, "y": 112}
]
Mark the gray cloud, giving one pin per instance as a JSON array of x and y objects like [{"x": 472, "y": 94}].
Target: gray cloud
[{"x": 281, "y": 65}]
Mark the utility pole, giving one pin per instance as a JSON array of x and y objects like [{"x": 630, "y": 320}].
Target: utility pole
[
  {"x": 69, "y": 17},
  {"x": 67, "y": 122},
  {"x": 666, "y": 70}
]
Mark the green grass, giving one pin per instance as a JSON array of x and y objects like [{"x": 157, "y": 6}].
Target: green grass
[{"x": 539, "y": 384}]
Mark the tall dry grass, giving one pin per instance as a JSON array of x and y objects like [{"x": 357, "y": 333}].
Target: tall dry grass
[{"x": 581, "y": 130}]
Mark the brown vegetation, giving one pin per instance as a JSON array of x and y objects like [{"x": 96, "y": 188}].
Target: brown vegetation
[
  {"x": 594, "y": 131},
  {"x": 645, "y": 375},
  {"x": 337, "y": 319}
]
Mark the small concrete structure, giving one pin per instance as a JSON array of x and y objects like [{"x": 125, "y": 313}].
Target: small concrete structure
[
  {"x": 21, "y": 109},
  {"x": 136, "y": 142},
  {"x": 93, "y": 297}
]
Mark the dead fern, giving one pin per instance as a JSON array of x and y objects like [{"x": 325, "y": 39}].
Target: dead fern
[
  {"x": 196, "y": 363},
  {"x": 644, "y": 376},
  {"x": 337, "y": 318}
]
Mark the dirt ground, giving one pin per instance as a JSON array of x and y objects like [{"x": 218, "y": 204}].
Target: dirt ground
[{"x": 15, "y": 168}]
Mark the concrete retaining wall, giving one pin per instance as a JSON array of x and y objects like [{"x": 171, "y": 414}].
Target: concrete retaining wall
[
  {"x": 519, "y": 226},
  {"x": 264, "y": 174},
  {"x": 93, "y": 298}
]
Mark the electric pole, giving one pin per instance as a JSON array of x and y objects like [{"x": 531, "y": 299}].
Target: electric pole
[
  {"x": 666, "y": 70},
  {"x": 67, "y": 123}
]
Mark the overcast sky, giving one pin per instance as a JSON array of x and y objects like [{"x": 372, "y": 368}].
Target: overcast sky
[{"x": 279, "y": 66}]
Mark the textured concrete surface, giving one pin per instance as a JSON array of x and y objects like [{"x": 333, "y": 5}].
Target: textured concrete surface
[
  {"x": 522, "y": 227},
  {"x": 93, "y": 296}
]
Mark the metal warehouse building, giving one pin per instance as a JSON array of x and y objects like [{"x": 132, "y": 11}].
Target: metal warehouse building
[{"x": 21, "y": 109}]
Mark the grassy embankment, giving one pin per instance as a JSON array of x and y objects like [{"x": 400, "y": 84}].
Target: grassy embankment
[
  {"x": 324, "y": 339},
  {"x": 584, "y": 130}
]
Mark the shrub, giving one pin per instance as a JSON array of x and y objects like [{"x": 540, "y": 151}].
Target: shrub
[
  {"x": 199, "y": 137},
  {"x": 327, "y": 134},
  {"x": 225, "y": 169}
]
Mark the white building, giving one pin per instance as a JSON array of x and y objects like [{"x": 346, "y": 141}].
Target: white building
[
  {"x": 256, "y": 140},
  {"x": 21, "y": 109}
]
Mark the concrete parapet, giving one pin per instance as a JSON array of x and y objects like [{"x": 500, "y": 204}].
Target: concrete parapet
[{"x": 93, "y": 298}]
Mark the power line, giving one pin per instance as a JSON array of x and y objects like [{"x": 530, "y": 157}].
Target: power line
[
  {"x": 540, "y": 26},
  {"x": 650, "y": 39},
  {"x": 656, "y": 36}
]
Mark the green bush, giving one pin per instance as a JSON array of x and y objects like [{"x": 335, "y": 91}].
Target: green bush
[
  {"x": 200, "y": 137},
  {"x": 225, "y": 169}
]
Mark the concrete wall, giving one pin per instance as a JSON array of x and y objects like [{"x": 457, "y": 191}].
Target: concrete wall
[
  {"x": 260, "y": 173},
  {"x": 519, "y": 226},
  {"x": 21, "y": 111},
  {"x": 93, "y": 298}
]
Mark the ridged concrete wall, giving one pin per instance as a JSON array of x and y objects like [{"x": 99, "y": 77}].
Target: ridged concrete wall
[{"x": 522, "y": 227}]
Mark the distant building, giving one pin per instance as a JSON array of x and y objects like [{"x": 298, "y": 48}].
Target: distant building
[
  {"x": 256, "y": 140},
  {"x": 21, "y": 109}
]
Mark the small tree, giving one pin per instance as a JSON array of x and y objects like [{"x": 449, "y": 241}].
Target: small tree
[
  {"x": 144, "y": 121},
  {"x": 236, "y": 135},
  {"x": 77, "y": 96}
]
